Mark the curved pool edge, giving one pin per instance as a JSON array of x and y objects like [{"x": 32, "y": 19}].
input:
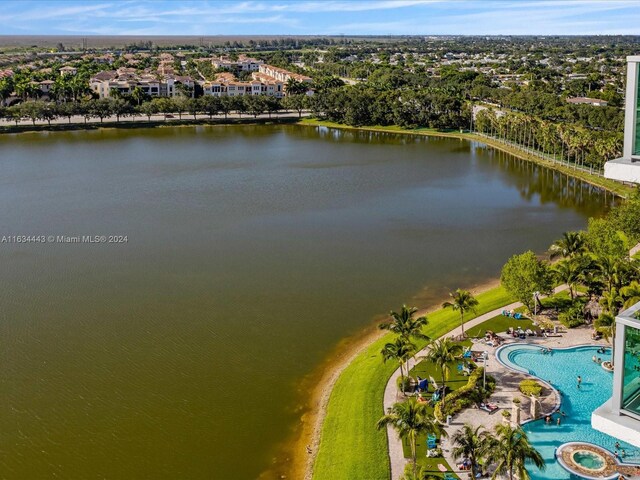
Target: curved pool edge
[
  {"x": 610, "y": 461},
  {"x": 524, "y": 371}
]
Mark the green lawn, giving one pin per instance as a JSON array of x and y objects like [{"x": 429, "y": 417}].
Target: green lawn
[
  {"x": 351, "y": 448},
  {"x": 498, "y": 324},
  {"x": 426, "y": 369}
]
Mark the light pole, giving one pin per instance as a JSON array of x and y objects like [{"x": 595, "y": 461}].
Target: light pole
[
  {"x": 535, "y": 303},
  {"x": 485, "y": 355}
]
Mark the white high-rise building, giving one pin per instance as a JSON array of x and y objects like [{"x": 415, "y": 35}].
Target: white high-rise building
[{"x": 627, "y": 168}]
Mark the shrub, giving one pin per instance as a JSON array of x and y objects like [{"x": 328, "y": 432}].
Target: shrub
[
  {"x": 530, "y": 387},
  {"x": 403, "y": 383},
  {"x": 573, "y": 317},
  {"x": 465, "y": 396}
]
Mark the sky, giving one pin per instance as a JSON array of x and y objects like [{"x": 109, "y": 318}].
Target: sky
[{"x": 319, "y": 17}]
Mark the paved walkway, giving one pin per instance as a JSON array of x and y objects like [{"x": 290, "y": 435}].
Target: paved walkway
[{"x": 391, "y": 394}]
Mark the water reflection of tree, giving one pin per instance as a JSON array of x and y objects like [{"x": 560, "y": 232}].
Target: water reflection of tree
[{"x": 549, "y": 185}]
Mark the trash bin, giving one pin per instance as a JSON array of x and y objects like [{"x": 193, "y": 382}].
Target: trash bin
[
  {"x": 555, "y": 329},
  {"x": 449, "y": 419}
]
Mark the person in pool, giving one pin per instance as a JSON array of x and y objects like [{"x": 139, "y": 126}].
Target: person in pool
[{"x": 579, "y": 381}]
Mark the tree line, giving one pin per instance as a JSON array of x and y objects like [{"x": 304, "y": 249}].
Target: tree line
[{"x": 37, "y": 110}]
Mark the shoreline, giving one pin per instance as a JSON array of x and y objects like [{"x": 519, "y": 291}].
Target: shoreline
[
  {"x": 139, "y": 122},
  {"x": 611, "y": 186},
  {"x": 298, "y": 461}
]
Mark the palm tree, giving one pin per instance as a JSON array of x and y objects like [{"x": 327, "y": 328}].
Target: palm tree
[
  {"x": 510, "y": 449},
  {"x": 612, "y": 301},
  {"x": 631, "y": 294},
  {"x": 470, "y": 443},
  {"x": 405, "y": 325},
  {"x": 443, "y": 352},
  {"x": 606, "y": 325},
  {"x": 401, "y": 350},
  {"x": 570, "y": 245},
  {"x": 462, "y": 301},
  {"x": 410, "y": 420},
  {"x": 568, "y": 271},
  {"x": 613, "y": 271},
  {"x": 295, "y": 87}
]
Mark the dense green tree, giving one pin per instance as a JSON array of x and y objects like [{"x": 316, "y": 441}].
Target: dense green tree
[
  {"x": 523, "y": 275},
  {"x": 570, "y": 245}
]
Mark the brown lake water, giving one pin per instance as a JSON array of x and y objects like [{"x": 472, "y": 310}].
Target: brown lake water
[{"x": 251, "y": 252}]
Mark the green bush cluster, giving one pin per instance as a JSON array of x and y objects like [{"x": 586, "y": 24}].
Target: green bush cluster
[
  {"x": 530, "y": 388},
  {"x": 403, "y": 383},
  {"x": 465, "y": 396},
  {"x": 573, "y": 316}
]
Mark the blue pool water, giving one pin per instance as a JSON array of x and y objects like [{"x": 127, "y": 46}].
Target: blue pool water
[{"x": 561, "y": 369}]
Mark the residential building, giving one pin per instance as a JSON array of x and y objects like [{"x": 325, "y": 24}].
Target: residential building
[
  {"x": 620, "y": 415},
  {"x": 68, "y": 70},
  {"x": 243, "y": 63},
  {"x": 627, "y": 168},
  {"x": 282, "y": 75},
  {"x": 596, "y": 102},
  {"x": 125, "y": 81}
]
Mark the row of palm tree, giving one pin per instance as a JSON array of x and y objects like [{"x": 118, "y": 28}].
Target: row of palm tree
[
  {"x": 564, "y": 142},
  {"x": 613, "y": 280},
  {"x": 508, "y": 447}
]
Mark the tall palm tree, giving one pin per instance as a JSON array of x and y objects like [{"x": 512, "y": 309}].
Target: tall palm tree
[
  {"x": 510, "y": 449},
  {"x": 443, "y": 352},
  {"x": 401, "y": 351},
  {"x": 606, "y": 325},
  {"x": 568, "y": 271},
  {"x": 462, "y": 301},
  {"x": 570, "y": 245},
  {"x": 613, "y": 271},
  {"x": 411, "y": 419},
  {"x": 631, "y": 294},
  {"x": 471, "y": 443},
  {"x": 404, "y": 325}
]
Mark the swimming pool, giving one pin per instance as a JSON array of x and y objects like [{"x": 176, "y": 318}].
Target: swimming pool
[{"x": 561, "y": 369}]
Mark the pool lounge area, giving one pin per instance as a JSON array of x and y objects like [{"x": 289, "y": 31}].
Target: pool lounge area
[{"x": 560, "y": 368}]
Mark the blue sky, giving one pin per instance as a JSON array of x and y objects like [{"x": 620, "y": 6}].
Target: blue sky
[{"x": 308, "y": 17}]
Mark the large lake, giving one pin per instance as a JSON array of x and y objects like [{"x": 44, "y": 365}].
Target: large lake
[{"x": 252, "y": 250}]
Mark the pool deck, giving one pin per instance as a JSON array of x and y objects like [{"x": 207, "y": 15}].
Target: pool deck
[{"x": 507, "y": 386}]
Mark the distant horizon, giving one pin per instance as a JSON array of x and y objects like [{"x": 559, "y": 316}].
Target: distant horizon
[{"x": 320, "y": 18}]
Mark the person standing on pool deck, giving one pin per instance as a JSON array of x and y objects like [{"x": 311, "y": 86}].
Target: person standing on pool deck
[{"x": 579, "y": 380}]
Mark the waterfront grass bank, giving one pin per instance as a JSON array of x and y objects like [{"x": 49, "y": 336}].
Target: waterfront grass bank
[
  {"x": 350, "y": 445},
  {"x": 611, "y": 186}
]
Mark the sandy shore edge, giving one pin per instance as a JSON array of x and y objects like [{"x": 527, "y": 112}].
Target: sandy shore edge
[{"x": 302, "y": 447}]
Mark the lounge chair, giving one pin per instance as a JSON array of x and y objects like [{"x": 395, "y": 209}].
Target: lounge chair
[
  {"x": 450, "y": 476},
  {"x": 431, "y": 441},
  {"x": 488, "y": 407},
  {"x": 517, "y": 316},
  {"x": 423, "y": 384}
]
